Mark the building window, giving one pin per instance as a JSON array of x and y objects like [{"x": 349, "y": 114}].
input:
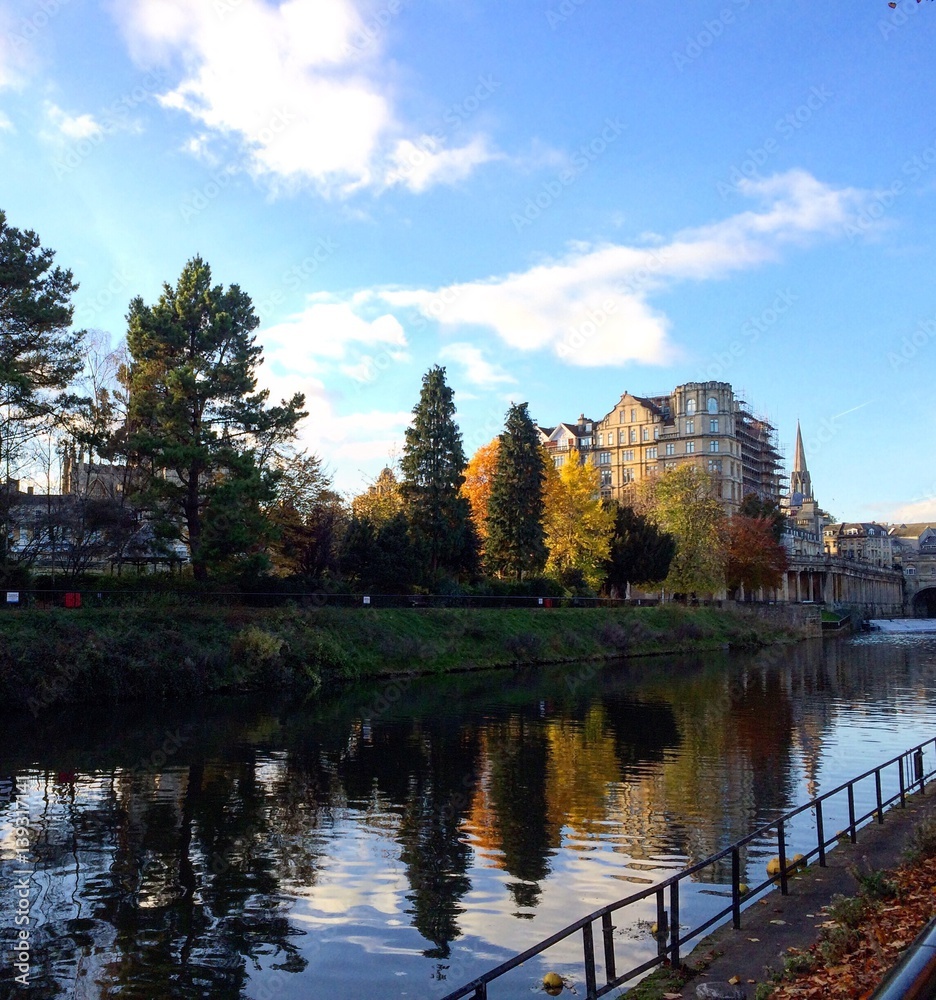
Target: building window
[
  {"x": 713, "y": 446},
  {"x": 620, "y": 416},
  {"x": 690, "y": 407},
  {"x": 633, "y": 416},
  {"x": 644, "y": 433},
  {"x": 604, "y": 457},
  {"x": 633, "y": 435},
  {"x": 622, "y": 437},
  {"x": 600, "y": 440},
  {"x": 656, "y": 433},
  {"x": 690, "y": 447},
  {"x": 714, "y": 466},
  {"x": 690, "y": 427},
  {"x": 585, "y": 443},
  {"x": 712, "y": 405},
  {"x": 629, "y": 455},
  {"x": 605, "y": 477},
  {"x": 652, "y": 452},
  {"x": 558, "y": 460},
  {"x": 713, "y": 425},
  {"x": 671, "y": 449}
]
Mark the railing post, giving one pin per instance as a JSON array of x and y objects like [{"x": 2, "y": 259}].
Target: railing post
[
  {"x": 903, "y": 787},
  {"x": 918, "y": 768},
  {"x": 781, "y": 844},
  {"x": 852, "y": 833},
  {"x": 662, "y": 924},
  {"x": 820, "y": 833},
  {"x": 880, "y": 802},
  {"x": 591, "y": 984},
  {"x": 735, "y": 888},
  {"x": 607, "y": 930},
  {"x": 674, "y": 924}
]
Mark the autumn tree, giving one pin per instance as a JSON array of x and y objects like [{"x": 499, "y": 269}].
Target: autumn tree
[
  {"x": 432, "y": 468},
  {"x": 754, "y": 506},
  {"x": 639, "y": 553},
  {"x": 577, "y": 525},
  {"x": 516, "y": 542},
  {"x": 198, "y": 425},
  {"x": 755, "y": 560},
  {"x": 682, "y": 502},
  {"x": 381, "y": 501},
  {"x": 479, "y": 475}
]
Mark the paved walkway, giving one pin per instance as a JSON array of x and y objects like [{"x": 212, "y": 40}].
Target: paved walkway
[{"x": 771, "y": 926}]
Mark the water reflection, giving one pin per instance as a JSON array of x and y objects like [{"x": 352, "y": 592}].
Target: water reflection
[{"x": 408, "y": 844}]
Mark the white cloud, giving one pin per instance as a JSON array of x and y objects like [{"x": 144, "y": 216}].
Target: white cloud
[
  {"x": 418, "y": 165},
  {"x": 591, "y": 306},
  {"x": 478, "y": 370},
  {"x": 5, "y": 124},
  {"x": 327, "y": 331},
  {"x": 915, "y": 512},
  {"x": 72, "y": 127},
  {"x": 296, "y": 85}
]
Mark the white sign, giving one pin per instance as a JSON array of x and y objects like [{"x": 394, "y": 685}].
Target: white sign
[
  {"x": 367, "y": 600},
  {"x": 12, "y": 597}
]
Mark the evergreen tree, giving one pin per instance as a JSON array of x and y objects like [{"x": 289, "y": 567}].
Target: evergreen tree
[
  {"x": 640, "y": 553},
  {"x": 197, "y": 423},
  {"x": 516, "y": 539},
  {"x": 432, "y": 466}
]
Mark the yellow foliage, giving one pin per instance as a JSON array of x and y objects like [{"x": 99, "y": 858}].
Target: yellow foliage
[{"x": 477, "y": 485}]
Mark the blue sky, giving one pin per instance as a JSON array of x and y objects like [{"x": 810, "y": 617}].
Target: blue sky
[{"x": 559, "y": 200}]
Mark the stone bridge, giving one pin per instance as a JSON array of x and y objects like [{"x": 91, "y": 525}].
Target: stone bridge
[
  {"x": 920, "y": 595},
  {"x": 834, "y": 580}
]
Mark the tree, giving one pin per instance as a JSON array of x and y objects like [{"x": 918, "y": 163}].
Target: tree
[
  {"x": 640, "y": 553},
  {"x": 381, "y": 500},
  {"x": 479, "y": 475},
  {"x": 197, "y": 424},
  {"x": 755, "y": 560},
  {"x": 577, "y": 525},
  {"x": 682, "y": 503},
  {"x": 39, "y": 354},
  {"x": 308, "y": 516},
  {"x": 432, "y": 466},
  {"x": 380, "y": 557},
  {"x": 753, "y": 506},
  {"x": 516, "y": 541}
]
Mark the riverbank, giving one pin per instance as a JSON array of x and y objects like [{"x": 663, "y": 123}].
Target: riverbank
[{"x": 57, "y": 656}]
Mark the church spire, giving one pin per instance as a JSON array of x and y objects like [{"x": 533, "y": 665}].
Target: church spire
[{"x": 799, "y": 478}]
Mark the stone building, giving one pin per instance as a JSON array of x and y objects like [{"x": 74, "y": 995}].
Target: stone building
[
  {"x": 915, "y": 554},
  {"x": 562, "y": 438},
  {"x": 700, "y": 423},
  {"x": 863, "y": 541},
  {"x": 802, "y": 535}
]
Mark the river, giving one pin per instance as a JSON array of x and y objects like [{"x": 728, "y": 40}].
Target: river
[{"x": 404, "y": 837}]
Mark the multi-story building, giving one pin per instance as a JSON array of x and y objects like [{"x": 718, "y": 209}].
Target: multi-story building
[
  {"x": 802, "y": 534},
  {"x": 701, "y": 423},
  {"x": 915, "y": 554},
  {"x": 562, "y": 438},
  {"x": 863, "y": 541}
]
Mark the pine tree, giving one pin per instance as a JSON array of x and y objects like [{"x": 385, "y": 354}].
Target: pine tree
[
  {"x": 640, "y": 552},
  {"x": 516, "y": 540},
  {"x": 197, "y": 423},
  {"x": 432, "y": 467}
]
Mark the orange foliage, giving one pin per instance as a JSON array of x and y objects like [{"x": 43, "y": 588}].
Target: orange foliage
[{"x": 477, "y": 485}]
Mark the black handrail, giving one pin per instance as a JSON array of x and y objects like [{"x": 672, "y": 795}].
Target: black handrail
[{"x": 670, "y": 935}]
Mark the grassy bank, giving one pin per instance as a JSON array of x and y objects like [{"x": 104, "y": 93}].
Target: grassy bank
[{"x": 54, "y": 657}]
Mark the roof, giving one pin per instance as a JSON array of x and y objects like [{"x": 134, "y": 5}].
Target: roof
[{"x": 912, "y": 530}]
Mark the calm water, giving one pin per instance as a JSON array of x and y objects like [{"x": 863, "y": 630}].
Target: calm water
[{"x": 402, "y": 839}]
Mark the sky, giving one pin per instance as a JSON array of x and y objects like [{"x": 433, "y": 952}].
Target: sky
[{"x": 557, "y": 200}]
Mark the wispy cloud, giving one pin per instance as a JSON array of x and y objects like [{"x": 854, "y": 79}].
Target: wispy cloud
[
  {"x": 311, "y": 105},
  {"x": 592, "y": 306},
  {"x": 72, "y": 127},
  {"x": 477, "y": 369}
]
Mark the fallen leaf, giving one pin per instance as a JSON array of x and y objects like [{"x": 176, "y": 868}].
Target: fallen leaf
[
  {"x": 753, "y": 939},
  {"x": 734, "y": 981},
  {"x": 778, "y": 921}
]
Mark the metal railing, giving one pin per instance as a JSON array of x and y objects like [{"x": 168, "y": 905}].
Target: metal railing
[{"x": 900, "y": 775}]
